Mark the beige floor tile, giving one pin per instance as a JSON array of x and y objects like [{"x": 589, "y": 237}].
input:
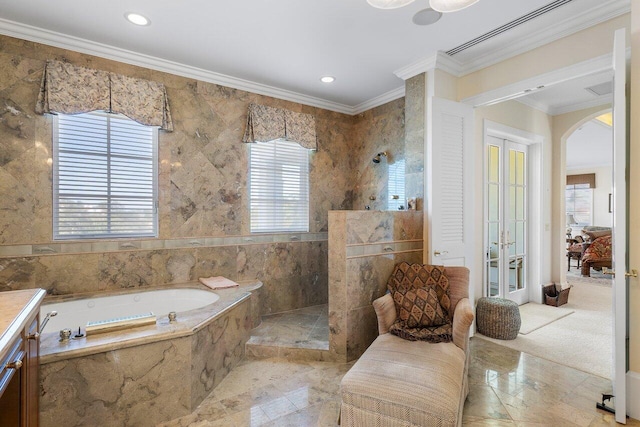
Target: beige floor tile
[
  {"x": 507, "y": 389},
  {"x": 483, "y": 403}
]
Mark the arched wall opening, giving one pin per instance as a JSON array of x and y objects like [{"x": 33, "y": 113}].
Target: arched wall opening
[{"x": 564, "y": 126}]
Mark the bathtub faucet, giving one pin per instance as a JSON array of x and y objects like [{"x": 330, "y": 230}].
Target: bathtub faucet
[{"x": 46, "y": 320}]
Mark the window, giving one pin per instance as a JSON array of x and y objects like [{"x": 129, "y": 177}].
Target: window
[
  {"x": 105, "y": 177},
  {"x": 396, "y": 197},
  {"x": 579, "y": 203},
  {"x": 279, "y": 187}
]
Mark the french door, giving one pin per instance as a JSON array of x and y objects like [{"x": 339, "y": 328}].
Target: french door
[{"x": 506, "y": 195}]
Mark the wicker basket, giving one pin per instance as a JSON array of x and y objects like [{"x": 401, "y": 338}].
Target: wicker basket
[
  {"x": 555, "y": 297},
  {"x": 498, "y": 318}
]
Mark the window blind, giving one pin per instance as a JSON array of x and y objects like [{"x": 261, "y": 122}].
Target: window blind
[
  {"x": 579, "y": 203},
  {"x": 104, "y": 177},
  {"x": 396, "y": 196},
  {"x": 279, "y": 187}
]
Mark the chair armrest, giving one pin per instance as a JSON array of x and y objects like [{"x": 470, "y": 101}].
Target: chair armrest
[
  {"x": 462, "y": 319},
  {"x": 386, "y": 313}
]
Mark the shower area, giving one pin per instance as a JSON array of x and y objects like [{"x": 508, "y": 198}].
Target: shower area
[{"x": 379, "y": 226}]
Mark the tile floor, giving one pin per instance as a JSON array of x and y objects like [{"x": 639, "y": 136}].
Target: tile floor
[
  {"x": 507, "y": 388},
  {"x": 298, "y": 334}
]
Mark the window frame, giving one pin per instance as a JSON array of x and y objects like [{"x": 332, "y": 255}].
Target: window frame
[
  {"x": 55, "y": 185},
  {"x": 273, "y": 229},
  {"x": 572, "y": 210}
]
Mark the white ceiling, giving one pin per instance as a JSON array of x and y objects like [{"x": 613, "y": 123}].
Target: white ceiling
[
  {"x": 285, "y": 46},
  {"x": 589, "y": 146},
  {"x": 570, "y": 95}
]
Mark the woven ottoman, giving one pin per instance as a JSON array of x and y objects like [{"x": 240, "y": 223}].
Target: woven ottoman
[{"x": 498, "y": 318}]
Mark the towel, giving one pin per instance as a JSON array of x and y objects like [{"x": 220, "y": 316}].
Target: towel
[{"x": 217, "y": 282}]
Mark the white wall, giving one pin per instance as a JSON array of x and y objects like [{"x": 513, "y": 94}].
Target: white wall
[{"x": 601, "y": 215}]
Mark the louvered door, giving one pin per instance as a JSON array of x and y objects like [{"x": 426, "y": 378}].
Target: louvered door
[{"x": 449, "y": 180}]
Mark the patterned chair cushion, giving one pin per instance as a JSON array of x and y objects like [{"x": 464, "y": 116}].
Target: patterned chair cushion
[
  {"x": 421, "y": 298},
  {"x": 418, "y": 306},
  {"x": 576, "y": 247},
  {"x": 409, "y": 276}
]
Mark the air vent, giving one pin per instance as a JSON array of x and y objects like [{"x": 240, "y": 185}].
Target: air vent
[
  {"x": 509, "y": 25},
  {"x": 601, "y": 89}
]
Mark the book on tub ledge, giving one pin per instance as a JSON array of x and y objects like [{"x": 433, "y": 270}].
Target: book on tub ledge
[{"x": 217, "y": 282}]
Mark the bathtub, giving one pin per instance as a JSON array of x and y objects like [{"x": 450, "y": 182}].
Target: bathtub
[
  {"x": 77, "y": 313},
  {"x": 146, "y": 375}
]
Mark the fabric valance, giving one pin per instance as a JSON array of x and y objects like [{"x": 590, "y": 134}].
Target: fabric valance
[
  {"x": 585, "y": 178},
  {"x": 71, "y": 89},
  {"x": 270, "y": 123}
]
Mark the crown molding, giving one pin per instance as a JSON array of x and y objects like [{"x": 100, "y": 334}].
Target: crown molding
[
  {"x": 439, "y": 60},
  {"x": 392, "y": 95},
  {"x": 415, "y": 68},
  {"x": 52, "y": 38},
  {"x": 589, "y": 166},
  {"x": 601, "y": 101},
  {"x": 537, "y": 105},
  {"x": 604, "y": 12}
]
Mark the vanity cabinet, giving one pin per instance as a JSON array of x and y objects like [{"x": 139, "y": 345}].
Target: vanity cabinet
[{"x": 19, "y": 357}]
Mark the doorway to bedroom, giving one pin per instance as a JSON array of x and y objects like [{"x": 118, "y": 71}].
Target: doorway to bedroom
[{"x": 588, "y": 201}]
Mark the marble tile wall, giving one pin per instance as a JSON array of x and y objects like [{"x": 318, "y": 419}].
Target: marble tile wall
[
  {"x": 357, "y": 275},
  {"x": 146, "y": 384},
  {"x": 294, "y": 274},
  {"x": 379, "y": 129},
  {"x": 202, "y": 189},
  {"x": 141, "y": 386},
  {"x": 415, "y": 104}
]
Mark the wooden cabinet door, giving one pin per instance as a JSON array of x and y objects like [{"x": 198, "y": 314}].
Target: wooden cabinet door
[{"x": 31, "y": 392}]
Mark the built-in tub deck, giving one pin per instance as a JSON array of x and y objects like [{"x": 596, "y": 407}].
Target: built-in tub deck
[
  {"x": 145, "y": 375},
  {"x": 187, "y": 323}
]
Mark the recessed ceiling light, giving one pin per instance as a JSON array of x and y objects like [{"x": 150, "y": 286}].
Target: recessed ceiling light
[
  {"x": 426, "y": 17},
  {"x": 136, "y": 18},
  {"x": 327, "y": 79}
]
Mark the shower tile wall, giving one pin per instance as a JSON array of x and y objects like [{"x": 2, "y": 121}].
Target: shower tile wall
[
  {"x": 202, "y": 187},
  {"x": 364, "y": 248},
  {"x": 376, "y": 130},
  {"x": 415, "y": 103}
]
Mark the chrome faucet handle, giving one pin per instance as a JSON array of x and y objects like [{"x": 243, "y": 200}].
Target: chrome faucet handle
[{"x": 65, "y": 334}]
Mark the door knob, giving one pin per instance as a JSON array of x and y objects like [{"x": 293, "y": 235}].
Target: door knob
[
  {"x": 605, "y": 270},
  {"x": 438, "y": 253}
]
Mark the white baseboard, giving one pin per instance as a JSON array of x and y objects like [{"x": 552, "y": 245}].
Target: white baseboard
[{"x": 633, "y": 394}]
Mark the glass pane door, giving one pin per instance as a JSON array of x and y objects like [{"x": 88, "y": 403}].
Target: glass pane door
[{"x": 506, "y": 220}]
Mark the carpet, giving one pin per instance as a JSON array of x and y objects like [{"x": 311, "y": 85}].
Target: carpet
[
  {"x": 535, "y": 316},
  {"x": 583, "y": 340}
]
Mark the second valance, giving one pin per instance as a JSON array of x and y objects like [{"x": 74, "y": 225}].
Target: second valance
[{"x": 266, "y": 123}]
